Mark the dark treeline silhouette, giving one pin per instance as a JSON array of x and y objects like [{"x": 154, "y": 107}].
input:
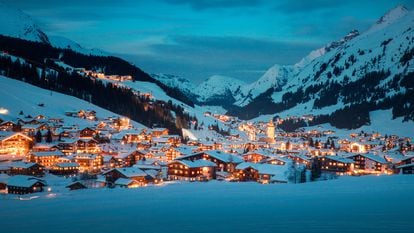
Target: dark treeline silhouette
[
  {"x": 38, "y": 53},
  {"x": 117, "y": 99},
  {"x": 359, "y": 98}
]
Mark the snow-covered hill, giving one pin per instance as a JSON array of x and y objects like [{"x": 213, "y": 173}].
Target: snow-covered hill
[
  {"x": 360, "y": 69},
  {"x": 217, "y": 88},
  {"x": 174, "y": 81},
  {"x": 16, "y": 23},
  {"x": 17, "y": 96},
  {"x": 65, "y": 43}
]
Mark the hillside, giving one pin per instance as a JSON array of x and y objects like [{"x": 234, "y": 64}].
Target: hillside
[
  {"x": 367, "y": 72},
  {"x": 20, "y": 97}
]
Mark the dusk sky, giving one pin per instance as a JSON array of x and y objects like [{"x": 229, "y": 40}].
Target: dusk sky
[{"x": 197, "y": 39}]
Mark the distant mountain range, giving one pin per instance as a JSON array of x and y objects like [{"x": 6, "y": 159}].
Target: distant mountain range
[
  {"x": 359, "y": 73},
  {"x": 340, "y": 83}
]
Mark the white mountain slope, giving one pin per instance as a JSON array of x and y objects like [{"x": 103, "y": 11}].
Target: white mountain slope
[
  {"x": 217, "y": 86},
  {"x": 16, "y": 23},
  {"x": 19, "y": 96},
  {"x": 329, "y": 81},
  {"x": 65, "y": 43},
  {"x": 374, "y": 50},
  {"x": 277, "y": 75},
  {"x": 174, "y": 81}
]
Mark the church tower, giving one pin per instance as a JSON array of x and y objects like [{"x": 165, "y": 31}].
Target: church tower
[{"x": 271, "y": 130}]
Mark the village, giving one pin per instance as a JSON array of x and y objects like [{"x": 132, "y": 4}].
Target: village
[{"x": 113, "y": 153}]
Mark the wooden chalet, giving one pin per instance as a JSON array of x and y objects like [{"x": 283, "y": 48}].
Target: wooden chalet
[
  {"x": 21, "y": 184},
  {"x": 224, "y": 162},
  {"x": 87, "y": 146},
  {"x": 89, "y": 162},
  {"x": 334, "y": 164},
  {"x": 87, "y": 133},
  {"x": 76, "y": 186},
  {"x": 369, "y": 164},
  {"x": 131, "y": 173},
  {"x": 197, "y": 170},
  {"x": 65, "y": 169},
  {"x": 68, "y": 146},
  {"x": 46, "y": 158},
  {"x": 26, "y": 168},
  {"x": 9, "y": 126},
  {"x": 157, "y": 132},
  {"x": 263, "y": 173},
  {"x": 406, "y": 166},
  {"x": 12, "y": 143}
]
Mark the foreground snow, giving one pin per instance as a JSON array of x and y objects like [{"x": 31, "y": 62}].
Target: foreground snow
[{"x": 349, "y": 204}]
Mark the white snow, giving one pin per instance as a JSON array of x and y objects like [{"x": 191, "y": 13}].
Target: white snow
[
  {"x": 65, "y": 43},
  {"x": 16, "y": 23},
  {"x": 381, "y": 204},
  {"x": 18, "y": 96}
]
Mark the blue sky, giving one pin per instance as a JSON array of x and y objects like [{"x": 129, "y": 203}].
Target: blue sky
[{"x": 199, "y": 38}]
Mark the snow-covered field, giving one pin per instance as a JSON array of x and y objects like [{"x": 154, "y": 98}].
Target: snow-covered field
[{"x": 349, "y": 204}]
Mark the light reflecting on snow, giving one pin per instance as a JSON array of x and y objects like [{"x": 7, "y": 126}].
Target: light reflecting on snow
[{"x": 349, "y": 204}]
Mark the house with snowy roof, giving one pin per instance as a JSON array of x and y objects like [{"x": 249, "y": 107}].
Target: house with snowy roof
[
  {"x": 334, "y": 164},
  {"x": 370, "y": 163},
  {"x": 45, "y": 158},
  {"x": 130, "y": 173},
  {"x": 12, "y": 143},
  {"x": 224, "y": 161},
  {"x": 192, "y": 170},
  {"x": 263, "y": 173},
  {"x": 26, "y": 168},
  {"x": 21, "y": 184}
]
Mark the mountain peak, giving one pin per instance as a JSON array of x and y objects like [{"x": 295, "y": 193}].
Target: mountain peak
[
  {"x": 393, "y": 14},
  {"x": 389, "y": 18},
  {"x": 16, "y": 23}
]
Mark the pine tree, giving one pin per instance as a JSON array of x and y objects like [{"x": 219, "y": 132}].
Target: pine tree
[
  {"x": 49, "y": 136},
  {"x": 38, "y": 136}
]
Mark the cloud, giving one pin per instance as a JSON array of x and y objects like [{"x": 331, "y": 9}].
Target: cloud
[
  {"x": 295, "y": 6},
  {"x": 202, "y": 56},
  {"x": 208, "y": 4}
]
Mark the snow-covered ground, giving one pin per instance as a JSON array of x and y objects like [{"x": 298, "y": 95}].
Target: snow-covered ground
[
  {"x": 349, "y": 204},
  {"x": 18, "y": 96}
]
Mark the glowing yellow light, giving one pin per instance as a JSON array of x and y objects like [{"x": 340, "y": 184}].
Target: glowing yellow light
[{"x": 4, "y": 111}]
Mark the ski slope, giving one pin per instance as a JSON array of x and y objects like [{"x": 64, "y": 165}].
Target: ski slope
[{"x": 16, "y": 96}]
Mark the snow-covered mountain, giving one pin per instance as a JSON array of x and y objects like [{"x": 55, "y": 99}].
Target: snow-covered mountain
[
  {"x": 65, "y": 43},
  {"x": 174, "y": 81},
  {"x": 369, "y": 68},
  {"x": 219, "y": 88},
  {"x": 15, "y": 23}
]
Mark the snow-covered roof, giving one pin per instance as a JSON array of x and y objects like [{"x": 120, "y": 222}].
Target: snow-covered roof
[
  {"x": 124, "y": 181},
  {"x": 217, "y": 154},
  {"x": 196, "y": 163},
  {"x": 373, "y": 157},
  {"x": 23, "y": 181},
  {"x": 129, "y": 171},
  {"x": 67, "y": 165},
  {"x": 48, "y": 153},
  {"x": 23, "y": 165},
  {"x": 339, "y": 159}
]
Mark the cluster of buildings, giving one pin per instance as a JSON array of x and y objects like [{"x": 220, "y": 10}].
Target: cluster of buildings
[{"x": 110, "y": 152}]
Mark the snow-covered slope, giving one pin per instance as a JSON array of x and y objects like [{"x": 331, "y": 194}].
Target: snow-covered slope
[
  {"x": 19, "y": 96},
  {"x": 183, "y": 84},
  {"x": 338, "y": 75},
  {"x": 218, "y": 87},
  {"x": 275, "y": 77},
  {"x": 16, "y": 23},
  {"x": 65, "y": 43}
]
